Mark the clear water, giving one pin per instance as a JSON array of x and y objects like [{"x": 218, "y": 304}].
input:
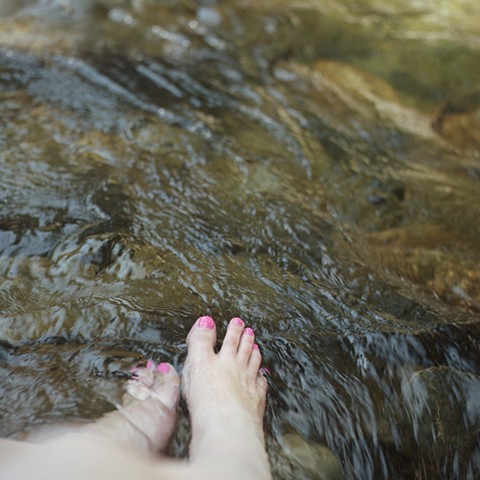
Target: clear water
[{"x": 312, "y": 167}]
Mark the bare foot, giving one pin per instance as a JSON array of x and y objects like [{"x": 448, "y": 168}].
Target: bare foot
[
  {"x": 147, "y": 416},
  {"x": 226, "y": 396}
]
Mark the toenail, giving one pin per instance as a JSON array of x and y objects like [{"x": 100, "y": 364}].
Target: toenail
[
  {"x": 150, "y": 364},
  {"x": 163, "y": 368},
  {"x": 249, "y": 331},
  {"x": 255, "y": 346},
  {"x": 265, "y": 371},
  {"x": 237, "y": 321},
  {"x": 206, "y": 322}
]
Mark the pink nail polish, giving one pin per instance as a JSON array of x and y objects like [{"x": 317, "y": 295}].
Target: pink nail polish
[
  {"x": 206, "y": 322},
  {"x": 237, "y": 321},
  {"x": 134, "y": 369},
  {"x": 150, "y": 364},
  {"x": 255, "y": 347},
  {"x": 265, "y": 370},
  {"x": 163, "y": 368},
  {"x": 249, "y": 331}
]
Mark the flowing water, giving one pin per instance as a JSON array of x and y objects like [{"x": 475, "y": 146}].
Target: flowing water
[{"x": 311, "y": 166}]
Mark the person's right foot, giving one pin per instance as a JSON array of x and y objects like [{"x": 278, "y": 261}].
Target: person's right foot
[{"x": 226, "y": 395}]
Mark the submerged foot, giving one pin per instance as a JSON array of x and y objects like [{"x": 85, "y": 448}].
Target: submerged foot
[
  {"x": 147, "y": 415},
  {"x": 226, "y": 395}
]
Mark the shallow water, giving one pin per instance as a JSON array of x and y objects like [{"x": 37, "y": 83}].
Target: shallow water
[{"x": 311, "y": 167}]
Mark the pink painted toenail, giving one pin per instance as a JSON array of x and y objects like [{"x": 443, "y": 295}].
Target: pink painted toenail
[
  {"x": 255, "y": 346},
  {"x": 163, "y": 368},
  {"x": 150, "y": 364},
  {"x": 134, "y": 369},
  {"x": 249, "y": 331},
  {"x": 265, "y": 371},
  {"x": 206, "y": 322},
  {"x": 237, "y": 321}
]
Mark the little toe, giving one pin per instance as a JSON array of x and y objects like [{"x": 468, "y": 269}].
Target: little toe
[
  {"x": 254, "y": 361},
  {"x": 262, "y": 383},
  {"x": 231, "y": 341},
  {"x": 202, "y": 337},
  {"x": 246, "y": 344}
]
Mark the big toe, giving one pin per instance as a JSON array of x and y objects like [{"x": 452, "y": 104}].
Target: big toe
[
  {"x": 202, "y": 337},
  {"x": 166, "y": 386}
]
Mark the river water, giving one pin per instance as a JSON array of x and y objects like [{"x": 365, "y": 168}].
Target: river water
[{"x": 310, "y": 166}]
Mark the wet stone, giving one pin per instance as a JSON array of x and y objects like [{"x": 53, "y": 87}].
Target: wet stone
[
  {"x": 459, "y": 121},
  {"x": 316, "y": 459},
  {"x": 442, "y": 408}
]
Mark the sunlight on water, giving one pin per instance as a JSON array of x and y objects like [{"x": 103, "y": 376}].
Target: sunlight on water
[{"x": 310, "y": 166}]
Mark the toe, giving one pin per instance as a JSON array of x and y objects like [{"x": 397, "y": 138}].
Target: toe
[
  {"x": 231, "y": 341},
  {"x": 166, "y": 387},
  {"x": 202, "y": 337},
  {"x": 166, "y": 373},
  {"x": 254, "y": 361},
  {"x": 246, "y": 344},
  {"x": 151, "y": 364},
  {"x": 143, "y": 376},
  {"x": 165, "y": 369},
  {"x": 262, "y": 383},
  {"x": 150, "y": 380}
]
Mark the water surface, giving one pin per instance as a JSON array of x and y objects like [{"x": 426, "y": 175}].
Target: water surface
[{"x": 312, "y": 167}]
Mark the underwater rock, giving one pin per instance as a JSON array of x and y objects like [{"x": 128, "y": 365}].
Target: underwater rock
[
  {"x": 360, "y": 91},
  {"x": 318, "y": 460},
  {"x": 430, "y": 256},
  {"x": 459, "y": 121},
  {"x": 443, "y": 410}
]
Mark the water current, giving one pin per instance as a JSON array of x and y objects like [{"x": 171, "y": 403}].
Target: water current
[{"x": 311, "y": 166}]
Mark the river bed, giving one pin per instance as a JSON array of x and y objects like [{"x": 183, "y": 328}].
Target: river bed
[{"x": 312, "y": 167}]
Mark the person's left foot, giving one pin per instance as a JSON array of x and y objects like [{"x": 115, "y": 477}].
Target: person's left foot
[{"x": 147, "y": 416}]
